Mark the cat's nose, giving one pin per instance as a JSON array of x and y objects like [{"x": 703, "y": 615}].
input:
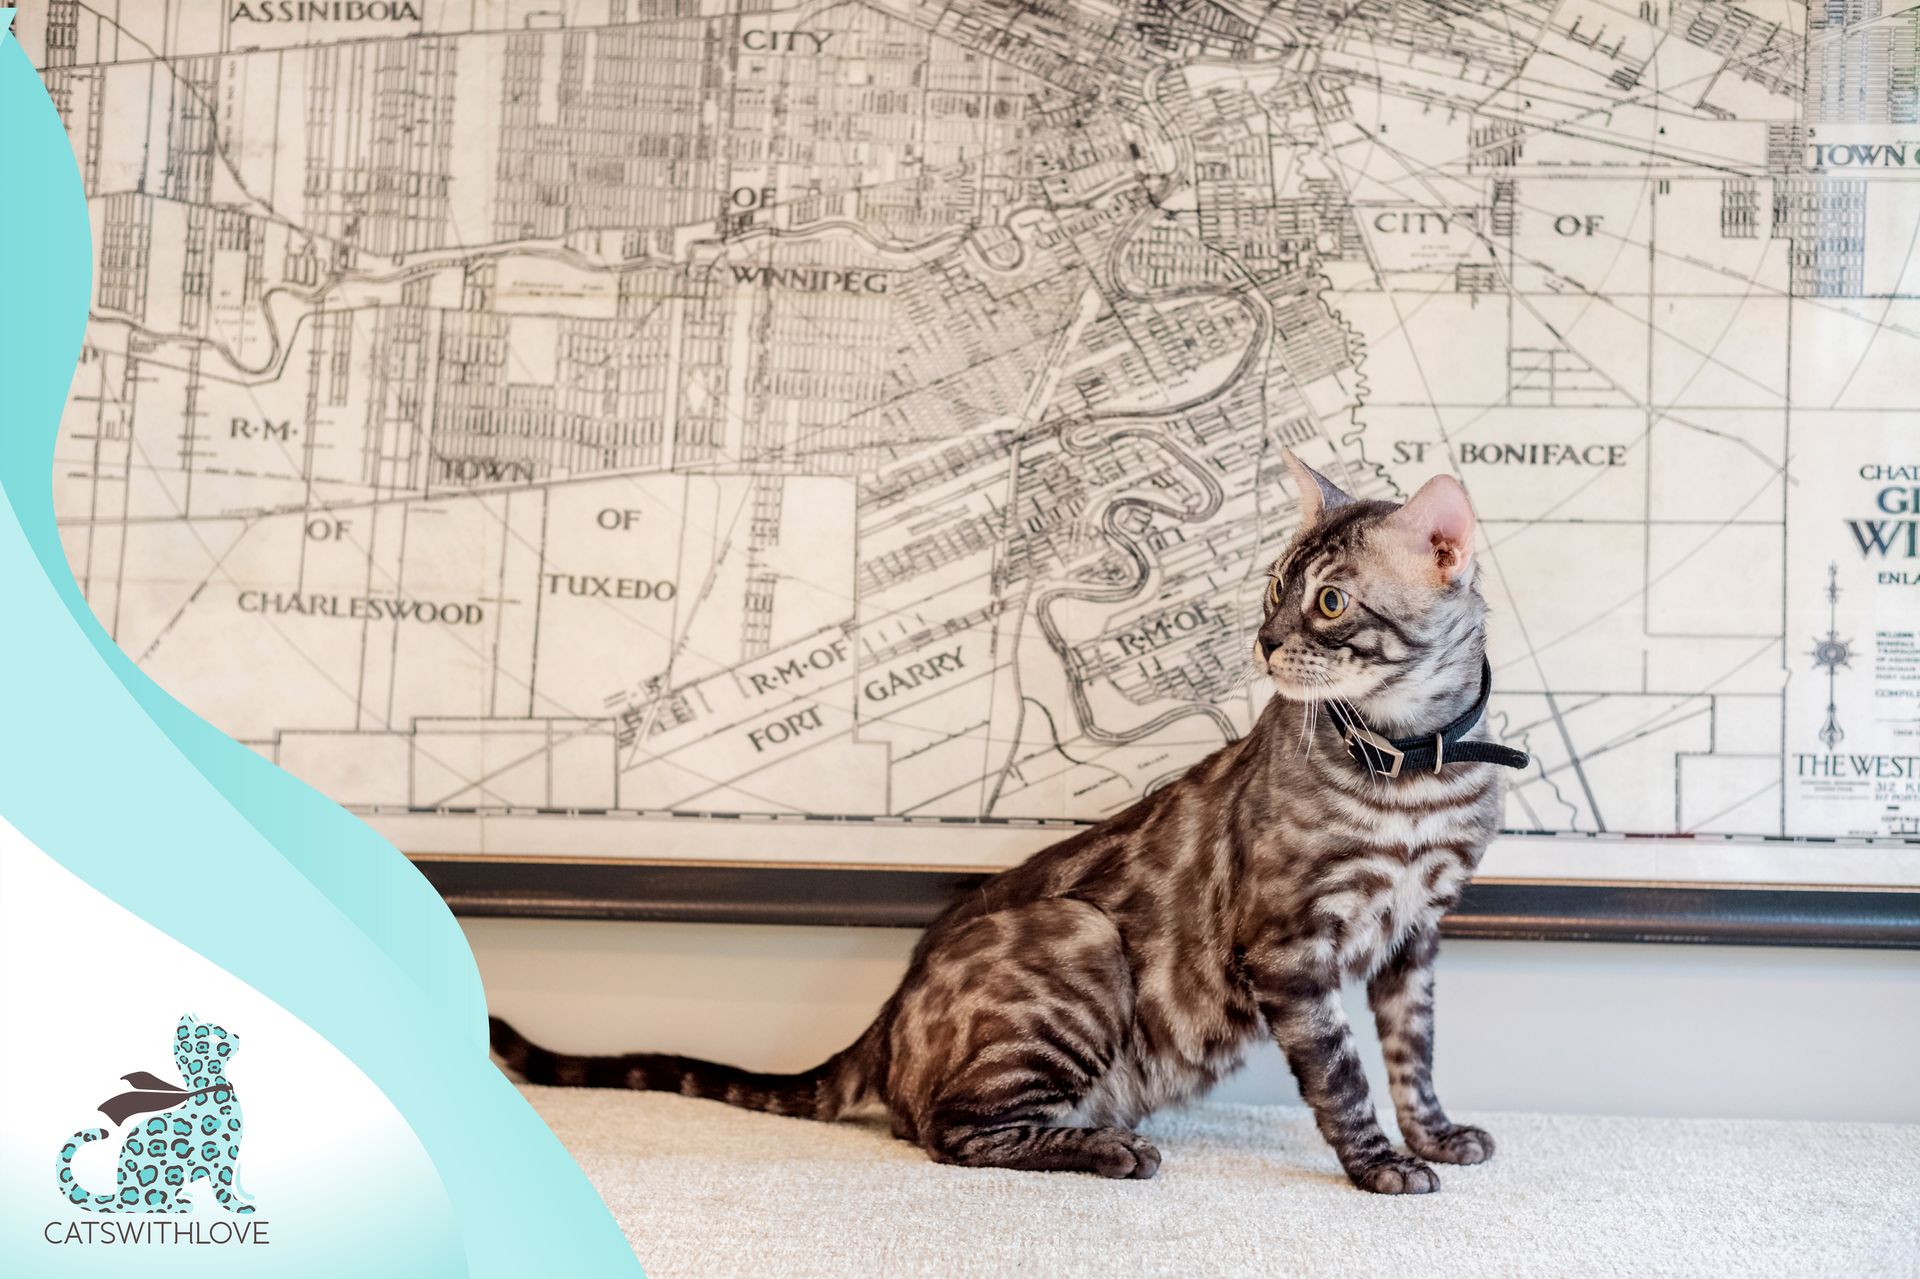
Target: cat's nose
[{"x": 1265, "y": 646}]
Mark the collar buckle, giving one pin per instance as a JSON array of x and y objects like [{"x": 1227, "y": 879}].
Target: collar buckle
[{"x": 1367, "y": 745}]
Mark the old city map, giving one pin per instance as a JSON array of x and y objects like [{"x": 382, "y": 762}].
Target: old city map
[{"x": 613, "y": 427}]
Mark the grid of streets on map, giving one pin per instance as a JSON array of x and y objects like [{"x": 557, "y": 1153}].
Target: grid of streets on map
[{"x": 571, "y": 412}]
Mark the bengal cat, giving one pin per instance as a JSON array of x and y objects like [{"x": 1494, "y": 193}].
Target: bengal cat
[{"x": 1128, "y": 967}]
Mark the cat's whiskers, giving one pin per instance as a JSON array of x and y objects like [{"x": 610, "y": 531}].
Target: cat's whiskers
[
  {"x": 1309, "y": 722},
  {"x": 1374, "y": 760},
  {"x": 1317, "y": 681}
]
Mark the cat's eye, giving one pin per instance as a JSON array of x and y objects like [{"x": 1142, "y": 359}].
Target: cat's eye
[
  {"x": 1273, "y": 592},
  {"x": 1333, "y": 601}
]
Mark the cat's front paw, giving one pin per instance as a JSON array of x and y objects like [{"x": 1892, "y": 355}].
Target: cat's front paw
[
  {"x": 1459, "y": 1144},
  {"x": 1395, "y": 1175}
]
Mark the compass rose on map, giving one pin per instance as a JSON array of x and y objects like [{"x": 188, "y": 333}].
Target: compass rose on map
[{"x": 1830, "y": 654}]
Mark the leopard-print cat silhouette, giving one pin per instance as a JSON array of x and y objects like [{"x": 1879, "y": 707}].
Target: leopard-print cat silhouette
[
  {"x": 1128, "y": 967},
  {"x": 197, "y": 1135}
]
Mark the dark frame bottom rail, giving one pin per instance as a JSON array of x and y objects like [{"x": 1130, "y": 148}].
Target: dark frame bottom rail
[{"x": 1529, "y": 910}]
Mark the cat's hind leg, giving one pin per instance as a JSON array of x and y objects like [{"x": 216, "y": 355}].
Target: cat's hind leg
[
  {"x": 1105, "y": 1152},
  {"x": 1005, "y": 1036}
]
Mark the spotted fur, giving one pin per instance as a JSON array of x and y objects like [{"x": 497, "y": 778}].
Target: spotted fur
[
  {"x": 164, "y": 1154},
  {"x": 1128, "y": 967}
]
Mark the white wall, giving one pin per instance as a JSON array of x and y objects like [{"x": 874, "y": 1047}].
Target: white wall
[{"x": 1703, "y": 1031}]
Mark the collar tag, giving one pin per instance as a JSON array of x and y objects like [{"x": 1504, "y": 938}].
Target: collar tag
[{"x": 1368, "y": 747}]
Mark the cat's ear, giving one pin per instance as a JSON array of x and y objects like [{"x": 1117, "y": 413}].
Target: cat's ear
[
  {"x": 1318, "y": 494},
  {"x": 1437, "y": 525}
]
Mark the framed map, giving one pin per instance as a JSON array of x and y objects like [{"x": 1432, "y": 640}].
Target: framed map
[{"x": 740, "y": 459}]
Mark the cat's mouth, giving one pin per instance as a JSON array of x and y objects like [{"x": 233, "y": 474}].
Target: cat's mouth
[
  {"x": 1303, "y": 684},
  {"x": 1308, "y": 676},
  {"x": 1297, "y": 692}
]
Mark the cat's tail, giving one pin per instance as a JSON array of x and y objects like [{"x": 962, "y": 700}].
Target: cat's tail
[
  {"x": 71, "y": 1190},
  {"x": 821, "y": 1093}
]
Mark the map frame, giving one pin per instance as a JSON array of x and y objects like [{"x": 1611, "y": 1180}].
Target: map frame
[
  {"x": 1490, "y": 909},
  {"x": 1828, "y": 244}
]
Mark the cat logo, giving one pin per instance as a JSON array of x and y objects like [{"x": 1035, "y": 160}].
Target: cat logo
[{"x": 191, "y": 1130}]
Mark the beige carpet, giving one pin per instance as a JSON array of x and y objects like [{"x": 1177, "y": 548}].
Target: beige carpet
[{"x": 705, "y": 1190}]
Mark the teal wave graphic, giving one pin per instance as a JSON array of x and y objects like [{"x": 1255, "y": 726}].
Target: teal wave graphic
[{"x": 204, "y": 839}]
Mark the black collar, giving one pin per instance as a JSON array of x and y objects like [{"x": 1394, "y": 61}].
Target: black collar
[{"x": 1433, "y": 752}]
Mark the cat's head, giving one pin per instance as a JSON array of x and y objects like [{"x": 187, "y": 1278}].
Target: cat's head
[
  {"x": 1373, "y": 602},
  {"x": 202, "y": 1050}
]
